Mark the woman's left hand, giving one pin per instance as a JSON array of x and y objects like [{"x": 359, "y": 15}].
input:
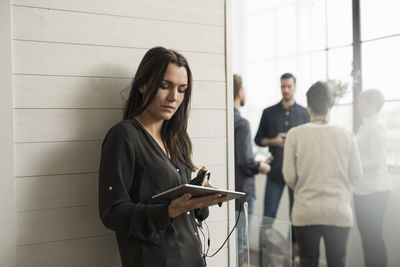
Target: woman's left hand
[{"x": 204, "y": 169}]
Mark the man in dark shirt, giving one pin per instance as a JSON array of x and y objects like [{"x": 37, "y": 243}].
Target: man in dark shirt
[
  {"x": 245, "y": 164},
  {"x": 276, "y": 121}
]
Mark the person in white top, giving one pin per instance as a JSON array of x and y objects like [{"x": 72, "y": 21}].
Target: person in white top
[
  {"x": 372, "y": 192},
  {"x": 320, "y": 162}
]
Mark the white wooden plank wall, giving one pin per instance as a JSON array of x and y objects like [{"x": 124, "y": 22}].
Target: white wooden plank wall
[{"x": 72, "y": 61}]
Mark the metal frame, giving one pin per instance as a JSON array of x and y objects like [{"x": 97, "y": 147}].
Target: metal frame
[{"x": 357, "y": 64}]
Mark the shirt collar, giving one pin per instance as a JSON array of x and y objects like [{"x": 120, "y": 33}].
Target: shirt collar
[{"x": 290, "y": 107}]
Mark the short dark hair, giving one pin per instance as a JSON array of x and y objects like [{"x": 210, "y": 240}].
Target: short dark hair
[
  {"x": 319, "y": 98},
  {"x": 237, "y": 85},
  {"x": 288, "y": 76}
]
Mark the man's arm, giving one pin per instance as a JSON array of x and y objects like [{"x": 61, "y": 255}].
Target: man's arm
[
  {"x": 261, "y": 138},
  {"x": 279, "y": 140},
  {"x": 243, "y": 149}
]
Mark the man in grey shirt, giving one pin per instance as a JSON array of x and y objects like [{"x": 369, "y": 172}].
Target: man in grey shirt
[{"x": 245, "y": 164}]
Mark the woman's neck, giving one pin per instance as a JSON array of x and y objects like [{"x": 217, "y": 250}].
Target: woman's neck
[
  {"x": 318, "y": 119},
  {"x": 152, "y": 126}
]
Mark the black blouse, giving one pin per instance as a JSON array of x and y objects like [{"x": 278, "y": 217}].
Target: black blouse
[{"x": 133, "y": 168}]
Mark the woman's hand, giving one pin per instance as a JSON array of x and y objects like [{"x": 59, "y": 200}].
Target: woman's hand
[
  {"x": 186, "y": 203},
  {"x": 204, "y": 169}
]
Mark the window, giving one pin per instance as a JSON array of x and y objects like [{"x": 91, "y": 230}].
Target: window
[{"x": 313, "y": 39}]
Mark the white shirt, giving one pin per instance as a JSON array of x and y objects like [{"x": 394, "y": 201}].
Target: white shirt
[
  {"x": 371, "y": 139},
  {"x": 319, "y": 163}
]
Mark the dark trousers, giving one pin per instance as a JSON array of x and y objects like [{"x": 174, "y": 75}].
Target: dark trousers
[
  {"x": 335, "y": 239},
  {"x": 273, "y": 194},
  {"x": 370, "y": 211}
]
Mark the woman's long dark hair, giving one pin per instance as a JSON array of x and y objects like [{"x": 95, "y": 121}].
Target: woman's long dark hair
[{"x": 150, "y": 73}]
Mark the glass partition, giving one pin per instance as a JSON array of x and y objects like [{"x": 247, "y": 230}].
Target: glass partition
[{"x": 263, "y": 241}]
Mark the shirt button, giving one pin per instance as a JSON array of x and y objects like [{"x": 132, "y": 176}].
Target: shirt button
[
  {"x": 286, "y": 123},
  {"x": 177, "y": 170},
  {"x": 110, "y": 188},
  {"x": 195, "y": 233},
  {"x": 188, "y": 213},
  {"x": 287, "y": 113}
]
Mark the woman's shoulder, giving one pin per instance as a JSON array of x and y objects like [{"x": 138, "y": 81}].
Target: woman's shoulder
[{"x": 128, "y": 129}]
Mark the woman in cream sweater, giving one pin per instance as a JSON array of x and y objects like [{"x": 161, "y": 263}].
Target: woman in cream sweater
[{"x": 320, "y": 163}]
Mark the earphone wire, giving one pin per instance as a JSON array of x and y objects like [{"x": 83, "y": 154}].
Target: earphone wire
[{"x": 227, "y": 238}]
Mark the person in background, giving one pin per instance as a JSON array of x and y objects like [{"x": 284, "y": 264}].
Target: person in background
[
  {"x": 147, "y": 153},
  {"x": 320, "y": 162},
  {"x": 371, "y": 194},
  {"x": 275, "y": 122},
  {"x": 245, "y": 164}
]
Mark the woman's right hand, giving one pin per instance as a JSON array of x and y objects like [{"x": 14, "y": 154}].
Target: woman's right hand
[{"x": 186, "y": 203}]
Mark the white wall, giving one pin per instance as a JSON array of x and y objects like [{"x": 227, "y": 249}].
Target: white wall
[
  {"x": 71, "y": 61},
  {"x": 7, "y": 188}
]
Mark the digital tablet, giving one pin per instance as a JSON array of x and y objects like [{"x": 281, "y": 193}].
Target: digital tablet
[{"x": 197, "y": 191}]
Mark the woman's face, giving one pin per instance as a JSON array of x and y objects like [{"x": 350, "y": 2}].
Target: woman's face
[{"x": 170, "y": 94}]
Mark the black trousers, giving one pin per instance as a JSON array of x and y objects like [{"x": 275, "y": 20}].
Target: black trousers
[
  {"x": 335, "y": 239},
  {"x": 370, "y": 211}
]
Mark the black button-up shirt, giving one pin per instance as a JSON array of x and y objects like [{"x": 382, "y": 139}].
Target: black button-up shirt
[
  {"x": 274, "y": 120},
  {"x": 133, "y": 168}
]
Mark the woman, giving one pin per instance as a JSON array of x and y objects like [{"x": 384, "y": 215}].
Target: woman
[
  {"x": 320, "y": 162},
  {"x": 145, "y": 154},
  {"x": 371, "y": 194}
]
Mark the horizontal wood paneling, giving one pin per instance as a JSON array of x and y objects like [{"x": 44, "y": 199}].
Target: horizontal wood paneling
[
  {"x": 221, "y": 259},
  {"x": 208, "y": 95},
  {"x": 82, "y": 60},
  {"x": 218, "y": 233},
  {"x": 209, "y": 151},
  {"x": 41, "y": 125},
  {"x": 207, "y": 123},
  {"x": 97, "y": 251},
  {"x": 197, "y": 11},
  {"x": 58, "y": 191},
  {"x": 87, "y": 252},
  {"x": 72, "y": 61},
  {"x": 85, "y": 92},
  {"x": 79, "y": 222},
  {"x": 35, "y": 159},
  {"x": 82, "y": 28},
  {"x": 217, "y": 213},
  {"x": 69, "y": 92},
  {"x": 59, "y": 224}
]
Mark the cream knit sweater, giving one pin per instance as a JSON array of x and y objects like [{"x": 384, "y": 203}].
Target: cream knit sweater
[{"x": 320, "y": 163}]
